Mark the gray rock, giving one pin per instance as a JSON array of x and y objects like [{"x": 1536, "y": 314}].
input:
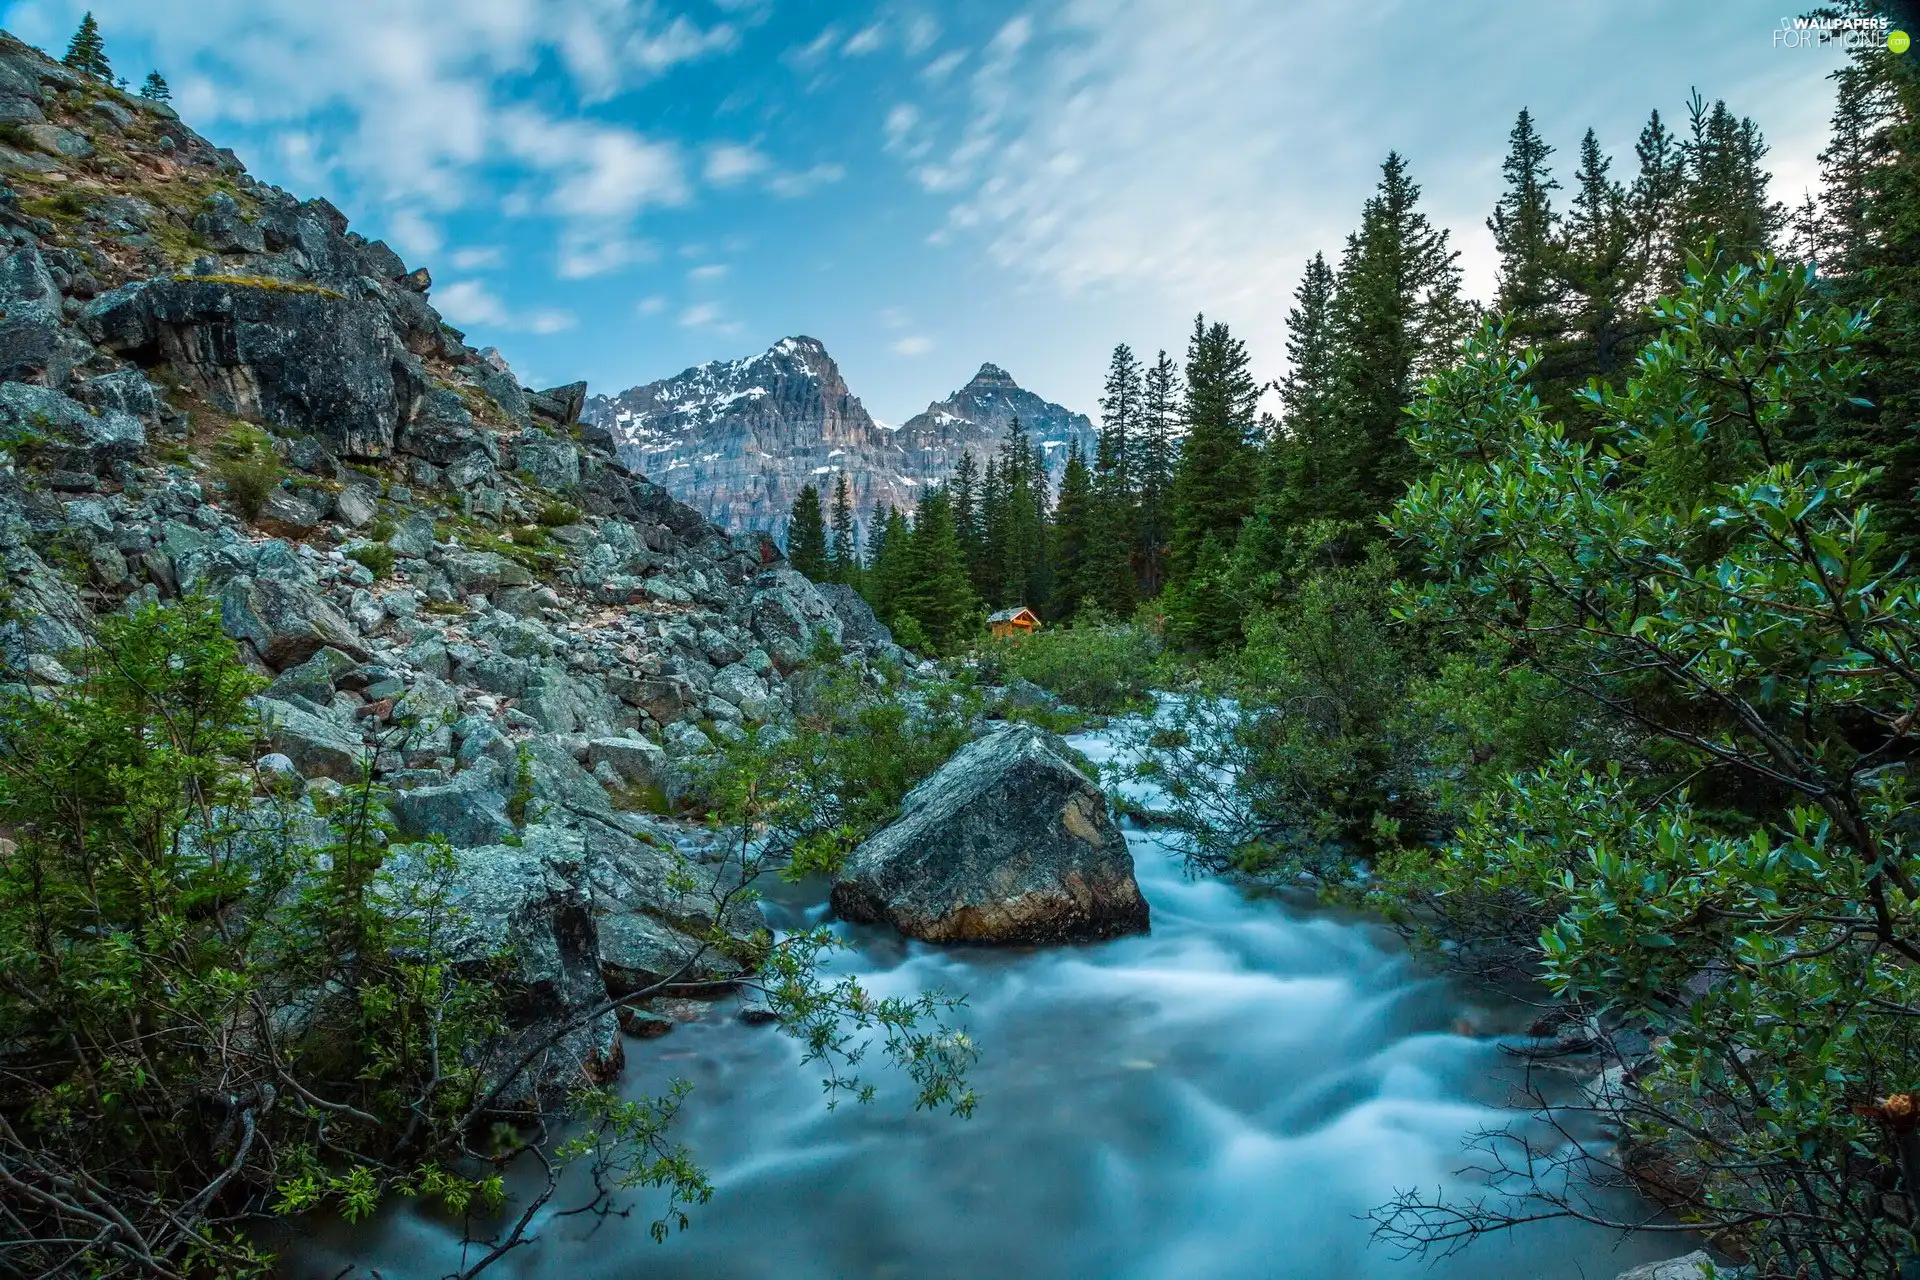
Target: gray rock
[
  {"x": 224, "y": 230},
  {"x": 859, "y": 627},
  {"x": 635, "y": 761},
  {"x": 479, "y": 572},
  {"x": 285, "y": 506},
  {"x": 549, "y": 463},
  {"x": 66, "y": 433},
  {"x": 470, "y": 810},
  {"x": 285, "y": 624},
  {"x": 354, "y": 507},
  {"x": 313, "y": 679},
  {"x": 414, "y": 538},
  {"x": 318, "y": 746},
  {"x": 787, "y": 614},
  {"x": 293, "y": 355},
  {"x": 1008, "y": 842},
  {"x": 1692, "y": 1267}
]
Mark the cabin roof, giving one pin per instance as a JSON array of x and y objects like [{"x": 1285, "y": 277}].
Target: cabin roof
[{"x": 1009, "y": 615}]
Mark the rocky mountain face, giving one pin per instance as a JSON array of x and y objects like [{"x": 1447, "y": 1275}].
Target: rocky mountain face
[
  {"x": 738, "y": 439},
  {"x": 211, "y": 388}
]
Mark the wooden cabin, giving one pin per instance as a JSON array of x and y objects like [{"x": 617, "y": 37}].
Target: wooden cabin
[{"x": 1013, "y": 622}]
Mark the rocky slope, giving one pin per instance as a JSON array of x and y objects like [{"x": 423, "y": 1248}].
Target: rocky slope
[
  {"x": 739, "y": 439},
  {"x": 211, "y": 387}
]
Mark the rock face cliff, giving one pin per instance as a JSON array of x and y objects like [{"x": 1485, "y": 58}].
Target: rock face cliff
[{"x": 738, "y": 439}]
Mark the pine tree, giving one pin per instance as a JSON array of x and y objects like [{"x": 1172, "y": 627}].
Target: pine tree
[
  {"x": 988, "y": 568},
  {"x": 1723, "y": 197},
  {"x": 1524, "y": 226},
  {"x": 844, "y": 562},
  {"x": 1109, "y": 574},
  {"x": 807, "y": 536},
  {"x": 889, "y": 570},
  {"x": 87, "y": 52},
  {"x": 1653, "y": 204},
  {"x": 1871, "y": 218},
  {"x": 1076, "y": 535},
  {"x": 1297, "y": 465},
  {"x": 1600, "y": 272},
  {"x": 154, "y": 88},
  {"x": 1399, "y": 317},
  {"x": 1153, "y": 474},
  {"x": 1215, "y": 480},
  {"x": 937, "y": 593},
  {"x": 1018, "y": 536},
  {"x": 964, "y": 492}
]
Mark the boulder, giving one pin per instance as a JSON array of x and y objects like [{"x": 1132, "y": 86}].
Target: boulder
[
  {"x": 638, "y": 763},
  {"x": 859, "y": 627},
  {"x": 64, "y": 433},
  {"x": 294, "y": 355},
  {"x": 480, "y": 572},
  {"x": 285, "y": 622},
  {"x": 527, "y": 928},
  {"x": 318, "y": 746},
  {"x": 787, "y": 614},
  {"x": 550, "y": 464},
  {"x": 1008, "y": 842},
  {"x": 469, "y": 811},
  {"x": 1692, "y": 1267}
]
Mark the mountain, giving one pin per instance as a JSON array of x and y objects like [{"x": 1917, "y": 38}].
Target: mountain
[{"x": 738, "y": 439}]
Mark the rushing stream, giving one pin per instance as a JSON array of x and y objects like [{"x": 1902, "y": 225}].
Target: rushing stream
[{"x": 1226, "y": 1097}]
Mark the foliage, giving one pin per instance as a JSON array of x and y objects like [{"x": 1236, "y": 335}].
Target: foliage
[
  {"x": 87, "y": 51},
  {"x": 1096, "y": 664},
  {"x": 245, "y": 462},
  {"x": 807, "y": 536},
  {"x": 1679, "y": 572},
  {"x": 555, "y": 514},
  {"x": 378, "y": 557},
  {"x": 1289, "y": 755},
  {"x": 224, "y": 1001},
  {"x": 155, "y": 89}
]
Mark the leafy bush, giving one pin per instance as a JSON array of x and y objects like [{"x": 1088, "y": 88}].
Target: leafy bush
[
  {"x": 211, "y": 1016},
  {"x": 1670, "y": 567},
  {"x": 1096, "y": 664}
]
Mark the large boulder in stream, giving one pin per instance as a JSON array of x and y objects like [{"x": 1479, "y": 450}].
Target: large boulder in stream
[
  {"x": 1692, "y": 1267},
  {"x": 1008, "y": 842}
]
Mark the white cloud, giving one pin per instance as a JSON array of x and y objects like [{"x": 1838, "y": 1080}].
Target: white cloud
[
  {"x": 414, "y": 234},
  {"x": 708, "y": 316},
  {"x": 792, "y": 186},
  {"x": 922, "y": 31},
  {"x": 894, "y": 318},
  {"x": 900, "y": 124},
  {"x": 913, "y": 345},
  {"x": 588, "y": 250},
  {"x": 389, "y": 104},
  {"x": 811, "y": 54},
  {"x": 864, "y": 41},
  {"x": 477, "y": 257},
  {"x": 652, "y": 306},
  {"x": 730, "y": 163},
  {"x": 1195, "y": 155},
  {"x": 711, "y": 271},
  {"x": 944, "y": 65},
  {"x": 470, "y": 302}
]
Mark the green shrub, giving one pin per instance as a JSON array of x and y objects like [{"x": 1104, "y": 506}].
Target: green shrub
[
  {"x": 554, "y": 514},
  {"x": 381, "y": 529},
  {"x": 245, "y": 462},
  {"x": 378, "y": 558},
  {"x": 1095, "y": 665}
]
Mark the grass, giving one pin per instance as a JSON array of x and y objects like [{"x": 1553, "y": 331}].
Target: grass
[
  {"x": 270, "y": 283},
  {"x": 555, "y": 514}
]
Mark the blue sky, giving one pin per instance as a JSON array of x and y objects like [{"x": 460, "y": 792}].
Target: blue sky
[{"x": 617, "y": 189}]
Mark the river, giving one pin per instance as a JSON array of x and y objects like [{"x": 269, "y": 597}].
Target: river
[{"x": 1225, "y": 1097}]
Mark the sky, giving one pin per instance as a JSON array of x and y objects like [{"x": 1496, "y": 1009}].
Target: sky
[{"x": 617, "y": 189}]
